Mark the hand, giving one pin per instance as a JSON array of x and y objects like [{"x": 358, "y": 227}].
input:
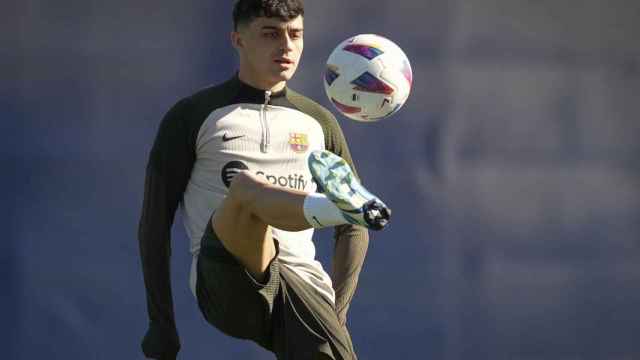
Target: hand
[{"x": 161, "y": 342}]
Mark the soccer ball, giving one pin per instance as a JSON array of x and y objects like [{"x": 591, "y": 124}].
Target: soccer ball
[{"x": 368, "y": 77}]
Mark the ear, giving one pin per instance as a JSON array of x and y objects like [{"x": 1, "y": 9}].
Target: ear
[{"x": 236, "y": 40}]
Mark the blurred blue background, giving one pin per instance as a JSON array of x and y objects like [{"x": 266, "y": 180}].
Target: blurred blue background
[{"x": 512, "y": 170}]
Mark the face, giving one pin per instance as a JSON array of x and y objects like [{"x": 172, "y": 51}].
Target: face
[{"x": 269, "y": 50}]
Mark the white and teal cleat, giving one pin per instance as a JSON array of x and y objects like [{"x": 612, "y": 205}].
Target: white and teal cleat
[{"x": 358, "y": 206}]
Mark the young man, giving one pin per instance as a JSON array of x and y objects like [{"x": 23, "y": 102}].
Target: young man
[{"x": 253, "y": 153}]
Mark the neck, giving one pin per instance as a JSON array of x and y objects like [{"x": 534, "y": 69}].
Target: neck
[{"x": 262, "y": 85}]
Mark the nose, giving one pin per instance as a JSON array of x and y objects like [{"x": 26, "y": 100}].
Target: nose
[{"x": 287, "y": 43}]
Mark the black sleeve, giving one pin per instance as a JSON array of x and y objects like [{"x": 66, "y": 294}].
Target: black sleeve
[
  {"x": 168, "y": 170},
  {"x": 351, "y": 241}
]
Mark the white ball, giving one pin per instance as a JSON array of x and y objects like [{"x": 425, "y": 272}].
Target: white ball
[{"x": 368, "y": 77}]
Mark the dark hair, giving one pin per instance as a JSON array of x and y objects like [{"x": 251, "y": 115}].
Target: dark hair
[{"x": 245, "y": 11}]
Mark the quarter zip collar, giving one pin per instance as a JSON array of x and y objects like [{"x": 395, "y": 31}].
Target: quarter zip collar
[{"x": 249, "y": 94}]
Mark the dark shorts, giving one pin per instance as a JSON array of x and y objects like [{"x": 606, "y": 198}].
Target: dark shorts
[{"x": 284, "y": 314}]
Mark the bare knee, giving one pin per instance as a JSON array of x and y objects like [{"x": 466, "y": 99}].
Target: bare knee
[
  {"x": 244, "y": 191},
  {"x": 240, "y": 230}
]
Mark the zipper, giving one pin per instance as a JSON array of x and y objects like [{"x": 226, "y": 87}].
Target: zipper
[{"x": 266, "y": 136}]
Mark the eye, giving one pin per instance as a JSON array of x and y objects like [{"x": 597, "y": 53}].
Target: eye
[{"x": 271, "y": 35}]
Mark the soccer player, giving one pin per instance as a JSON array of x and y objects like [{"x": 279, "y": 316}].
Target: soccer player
[{"x": 256, "y": 167}]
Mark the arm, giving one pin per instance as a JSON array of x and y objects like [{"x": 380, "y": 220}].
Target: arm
[
  {"x": 168, "y": 170},
  {"x": 351, "y": 241}
]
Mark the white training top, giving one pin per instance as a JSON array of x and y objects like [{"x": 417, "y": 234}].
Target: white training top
[{"x": 270, "y": 141}]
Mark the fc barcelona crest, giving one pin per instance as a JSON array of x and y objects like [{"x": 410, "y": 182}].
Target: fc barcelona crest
[{"x": 298, "y": 142}]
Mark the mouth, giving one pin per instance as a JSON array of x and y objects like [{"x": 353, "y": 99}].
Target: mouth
[{"x": 283, "y": 61}]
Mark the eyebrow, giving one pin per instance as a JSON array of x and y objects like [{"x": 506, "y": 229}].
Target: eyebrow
[{"x": 268, "y": 27}]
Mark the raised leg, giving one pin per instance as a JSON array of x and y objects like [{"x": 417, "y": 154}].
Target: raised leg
[{"x": 243, "y": 219}]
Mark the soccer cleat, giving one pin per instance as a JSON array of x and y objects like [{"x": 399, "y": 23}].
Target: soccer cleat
[{"x": 358, "y": 206}]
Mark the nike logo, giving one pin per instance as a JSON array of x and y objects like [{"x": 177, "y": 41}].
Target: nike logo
[{"x": 226, "y": 138}]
